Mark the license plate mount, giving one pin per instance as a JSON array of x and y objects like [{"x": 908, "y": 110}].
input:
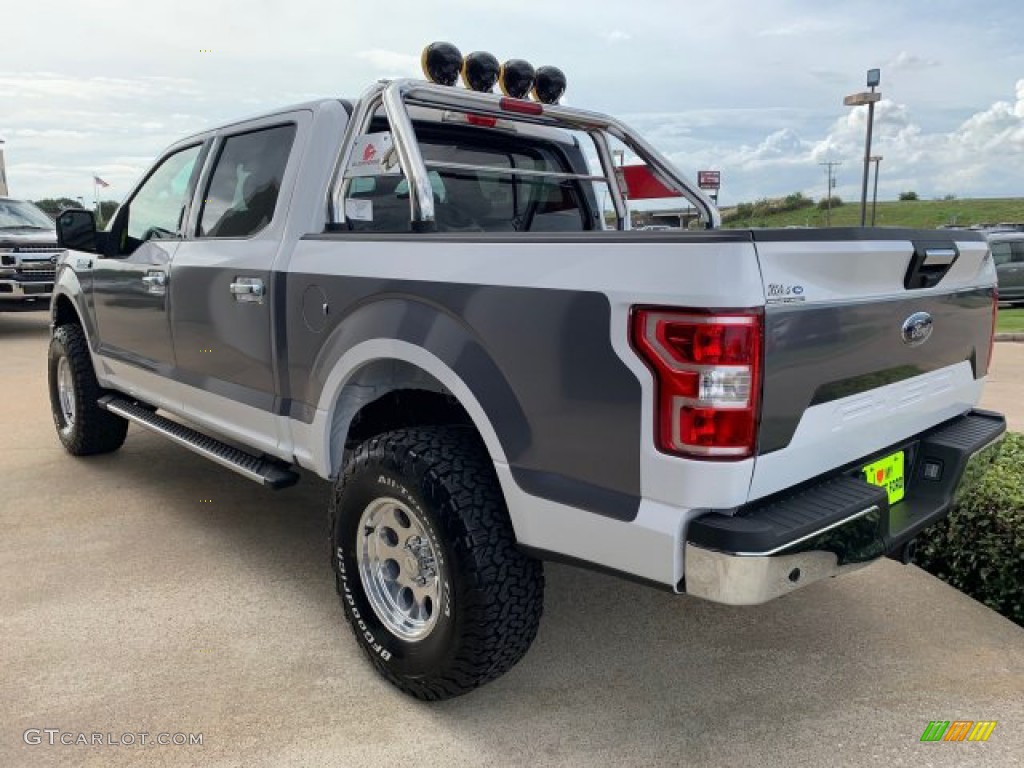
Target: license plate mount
[{"x": 888, "y": 473}]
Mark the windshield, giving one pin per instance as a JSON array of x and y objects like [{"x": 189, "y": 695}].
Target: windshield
[{"x": 19, "y": 214}]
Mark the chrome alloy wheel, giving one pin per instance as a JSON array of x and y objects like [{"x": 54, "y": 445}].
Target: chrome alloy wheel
[
  {"x": 66, "y": 392},
  {"x": 399, "y": 569}
]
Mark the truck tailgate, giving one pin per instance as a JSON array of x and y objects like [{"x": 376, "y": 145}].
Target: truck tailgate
[{"x": 871, "y": 336}]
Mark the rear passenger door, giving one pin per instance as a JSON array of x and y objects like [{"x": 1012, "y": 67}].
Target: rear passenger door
[{"x": 222, "y": 286}]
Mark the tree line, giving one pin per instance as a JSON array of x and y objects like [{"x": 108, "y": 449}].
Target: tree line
[{"x": 54, "y": 205}]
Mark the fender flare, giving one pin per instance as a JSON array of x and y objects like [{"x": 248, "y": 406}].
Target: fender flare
[
  {"x": 385, "y": 349},
  {"x": 67, "y": 285}
]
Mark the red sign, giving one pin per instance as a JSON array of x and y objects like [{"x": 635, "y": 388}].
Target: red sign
[
  {"x": 709, "y": 179},
  {"x": 642, "y": 184}
]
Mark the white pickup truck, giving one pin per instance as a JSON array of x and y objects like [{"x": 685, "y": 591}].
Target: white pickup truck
[{"x": 414, "y": 296}]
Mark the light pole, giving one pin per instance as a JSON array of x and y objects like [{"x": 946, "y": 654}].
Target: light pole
[
  {"x": 830, "y": 185},
  {"x": 858, "y": 100},
  {"x": 876, "y": 159},
  {"x": 3, "y": 172}
]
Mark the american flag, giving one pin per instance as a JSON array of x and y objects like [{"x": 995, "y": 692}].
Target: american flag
[{"x": 99, "y": 182}]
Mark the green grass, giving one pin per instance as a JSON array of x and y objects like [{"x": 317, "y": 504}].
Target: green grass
[
  {"x": 1010, "y": 321},
  {"x": 919, "y": 214}
]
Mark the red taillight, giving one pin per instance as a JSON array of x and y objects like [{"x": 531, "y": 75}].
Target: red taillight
[
  {"x": 708, "y": 373},
  {"x": 522, "y": 106}
]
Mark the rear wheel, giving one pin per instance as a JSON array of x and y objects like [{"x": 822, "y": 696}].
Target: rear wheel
[
  {"x": 432, "y": 583},
  {"x": 82, "y": 426}
]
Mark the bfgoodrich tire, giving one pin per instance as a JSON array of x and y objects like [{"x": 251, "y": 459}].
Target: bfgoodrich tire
[
  {"x": 83, "y": 427},
  {"x": 432, "y": 584}
]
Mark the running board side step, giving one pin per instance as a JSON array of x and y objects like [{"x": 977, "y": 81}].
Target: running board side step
[{"x": 269, "y": 472}]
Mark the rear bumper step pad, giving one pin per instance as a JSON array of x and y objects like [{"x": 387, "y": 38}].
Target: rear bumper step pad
[{"x": 269, "y": 472}]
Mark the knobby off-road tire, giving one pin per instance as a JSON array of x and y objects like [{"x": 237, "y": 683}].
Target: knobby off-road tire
[
  {"x": 480, "y": 607},
  {"x": 83, "y": 427}
]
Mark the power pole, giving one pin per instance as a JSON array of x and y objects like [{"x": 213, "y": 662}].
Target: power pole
[
  {"x": 876, "y": 159},
  {"x": 831, "y": 184}
]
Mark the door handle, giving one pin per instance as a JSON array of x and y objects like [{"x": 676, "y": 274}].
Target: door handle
[
  {"x": 247, "y": 289},
  {"x": 155, "y": 282}
]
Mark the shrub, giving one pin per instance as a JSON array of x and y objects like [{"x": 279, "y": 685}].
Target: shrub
[
  {"x": 836, "y": 202},
  {"x": 746, "y": 212},
  {"x": 911, "y": 195},
  {"x": 795, "y": 202},
  {"x": 979, "y": 548}
]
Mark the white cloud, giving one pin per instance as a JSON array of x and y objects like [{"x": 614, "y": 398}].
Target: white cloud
[
  {"x": 907, "y": 61},
  {"x": 391, "y": 63},
  {"x": 805, "y": 27},
  {"x": 980, "y": 157},
  {"x": 754, "y": 90}
]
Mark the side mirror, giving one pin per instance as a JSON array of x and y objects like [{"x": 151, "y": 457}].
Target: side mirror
[{"x": 76, "y": 230}]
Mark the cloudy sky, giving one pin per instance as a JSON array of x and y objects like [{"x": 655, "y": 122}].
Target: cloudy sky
[{"x": 752, "y": 88}]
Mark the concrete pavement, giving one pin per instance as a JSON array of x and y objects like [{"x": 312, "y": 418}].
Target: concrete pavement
[{"x": 152, "y": 591}]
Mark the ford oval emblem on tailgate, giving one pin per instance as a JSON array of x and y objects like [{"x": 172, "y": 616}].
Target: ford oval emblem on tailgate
[{"x": 917, "y": 328}]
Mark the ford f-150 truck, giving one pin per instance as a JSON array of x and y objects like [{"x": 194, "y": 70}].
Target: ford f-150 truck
[
  {"x": 414, "y": 296},
  {"x": 28, "y": 256}
]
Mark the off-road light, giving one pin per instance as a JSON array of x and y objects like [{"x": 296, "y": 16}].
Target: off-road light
[
  {"x": 516, "y": 78},
  {"x": 480, "y": 71},
  {"x": 442, "y": 63},
  {"x": 548, "y": 85}
]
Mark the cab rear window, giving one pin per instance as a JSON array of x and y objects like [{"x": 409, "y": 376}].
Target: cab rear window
[{"x": 485, "y": 195}]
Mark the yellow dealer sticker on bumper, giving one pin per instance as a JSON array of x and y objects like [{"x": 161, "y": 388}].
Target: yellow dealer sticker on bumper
[{"x": 887, "y": 473}]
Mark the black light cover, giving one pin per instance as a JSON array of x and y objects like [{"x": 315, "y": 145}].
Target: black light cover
[
  {"x": 480, "y": 71},
  {"x": 442, "y": 63},
  {"x": 549, "y": 85},
  {"x": 516, "y": 78}
]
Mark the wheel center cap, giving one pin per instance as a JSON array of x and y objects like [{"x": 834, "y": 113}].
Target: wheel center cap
[{"x": 413, "y": 564}]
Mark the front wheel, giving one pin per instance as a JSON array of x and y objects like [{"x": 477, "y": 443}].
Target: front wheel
[
  {"x": 432, "y": 583},
  {"x": 82, "y": 426}
]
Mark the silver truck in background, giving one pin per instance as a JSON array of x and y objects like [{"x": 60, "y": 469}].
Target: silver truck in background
[
  {"x": 414, "y": 295},
  {"x": 28, "y": 256}
]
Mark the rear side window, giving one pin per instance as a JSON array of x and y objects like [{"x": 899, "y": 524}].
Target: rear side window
[
  {"x": 246, "y": 180},
  {"x": 473, "y": 200},
  {"x": 1001, "y": 253}
]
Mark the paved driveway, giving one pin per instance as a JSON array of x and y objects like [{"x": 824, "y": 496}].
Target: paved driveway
[{"x": 128, "y": 604}]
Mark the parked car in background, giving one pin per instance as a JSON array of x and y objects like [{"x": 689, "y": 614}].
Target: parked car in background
[
  {"x": 1008, "y": 254},
  {"x": 28, "y": 255}
]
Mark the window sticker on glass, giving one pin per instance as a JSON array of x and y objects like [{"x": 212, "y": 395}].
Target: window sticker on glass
[
  {"x": 359, "y": 210},
  {"x": 373, "y": 155}
]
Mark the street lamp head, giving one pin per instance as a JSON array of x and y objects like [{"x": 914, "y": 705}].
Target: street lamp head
[{"x": 874, "y": 78}]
